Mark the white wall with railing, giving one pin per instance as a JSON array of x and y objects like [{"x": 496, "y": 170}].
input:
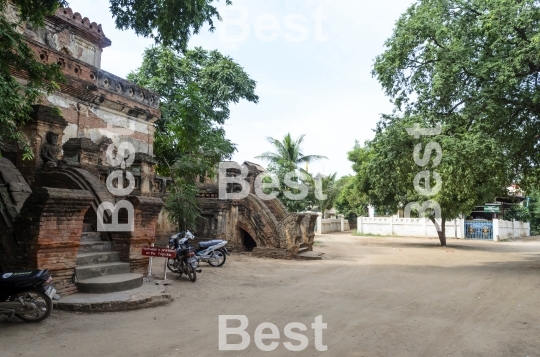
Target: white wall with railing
[{"x": 325, "y": 226}]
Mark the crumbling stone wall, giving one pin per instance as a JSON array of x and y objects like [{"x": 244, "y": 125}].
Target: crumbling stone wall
[{"x": 276, "y": 232}]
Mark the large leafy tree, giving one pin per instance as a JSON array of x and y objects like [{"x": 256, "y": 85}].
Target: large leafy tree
[
  {"x": 472, "y": 170},
  {"x": 197, "y": 88},
  {"x": 470, "y": 63},
  {"x": 169, "y": 22},
  {"x": 288, "y": 158}
]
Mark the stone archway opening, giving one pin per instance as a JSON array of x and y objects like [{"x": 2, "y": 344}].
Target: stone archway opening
[{"x": 247, "y": 241}]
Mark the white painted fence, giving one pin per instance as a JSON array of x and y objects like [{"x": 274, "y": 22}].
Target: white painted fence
[
  {"x": 423, "y": 227},
  {"x": 324, "y": 226},
  {"x": 510, "y": 229}
]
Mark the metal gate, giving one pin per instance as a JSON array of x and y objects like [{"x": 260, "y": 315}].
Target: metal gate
[{"x": 479, "y": 230}]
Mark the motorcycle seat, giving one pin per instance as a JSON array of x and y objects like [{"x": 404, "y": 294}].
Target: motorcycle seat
[
  {"x": 209, "y": 244},
  {"x": 19, "y": 278}
]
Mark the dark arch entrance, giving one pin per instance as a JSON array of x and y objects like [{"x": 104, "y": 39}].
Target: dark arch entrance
[{"x": 247, "y": 241}]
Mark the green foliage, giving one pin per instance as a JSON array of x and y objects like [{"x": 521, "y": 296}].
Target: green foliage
[
  {"x": 534, "y": 209},
  {"x": 196, "y": 88},
  {"x": 330, "y": 190},
  {"x": 288, "y": 157},
  {"x": 351, "y": 201},
  {"x": 169, "y": 22},
  {"x": 518, "y": 212},
  {"x": 16, "y": 98},
  {"x": 181, "y": 204},
  {"x": 473, "y": 169},
  {"x": 470, "y": 63}
]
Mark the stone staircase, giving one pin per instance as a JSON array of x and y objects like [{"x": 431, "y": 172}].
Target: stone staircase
[{"x": 99, "y": 270}]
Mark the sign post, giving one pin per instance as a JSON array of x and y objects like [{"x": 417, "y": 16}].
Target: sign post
[{"x": 158, "y": 252}]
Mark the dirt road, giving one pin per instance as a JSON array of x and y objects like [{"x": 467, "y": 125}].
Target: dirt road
[{"x": 378, "y": 297}]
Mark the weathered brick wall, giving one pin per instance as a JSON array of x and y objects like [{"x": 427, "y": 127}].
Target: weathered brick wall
[
  {"x": 130, "y": 244},
  {"x": 49, "y": 232}
]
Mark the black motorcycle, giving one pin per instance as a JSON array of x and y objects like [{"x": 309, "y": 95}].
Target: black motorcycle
[
  {"x": 185, "y": 261},
  {"x": 27, "y": 295}
]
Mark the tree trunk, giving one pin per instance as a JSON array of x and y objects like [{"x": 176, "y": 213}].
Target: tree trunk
[{"x": 440, "y": 230}]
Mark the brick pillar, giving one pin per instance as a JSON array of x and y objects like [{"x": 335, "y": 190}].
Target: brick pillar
[
  {"x": 130, "y": 244},
  {"x": 49, "y": 232}
]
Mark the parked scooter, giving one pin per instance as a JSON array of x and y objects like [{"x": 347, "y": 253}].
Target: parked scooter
[{"x": 27, "y": 295}]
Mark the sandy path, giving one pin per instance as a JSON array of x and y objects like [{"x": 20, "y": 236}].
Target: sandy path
[{"x": 379, "y": 297}]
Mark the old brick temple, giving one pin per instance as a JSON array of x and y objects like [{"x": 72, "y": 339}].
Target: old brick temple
[{"x": 48, "y": 205}]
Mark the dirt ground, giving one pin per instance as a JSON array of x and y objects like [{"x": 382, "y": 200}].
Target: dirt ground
[{"x": 379, "y": 297}]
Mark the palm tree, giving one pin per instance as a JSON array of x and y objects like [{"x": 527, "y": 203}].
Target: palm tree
[
  {"x": 330, "y": 190},
  {"x": 288, "y": 157},
  {"x": 288, "y": 153}
]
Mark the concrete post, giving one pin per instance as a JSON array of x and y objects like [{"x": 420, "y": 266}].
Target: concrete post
[
  {"x": 319, "y": 223},
  {"x": 392, "y": 225},
  {"x": 496, "y": 230},
  {"x": 342, "y": 218},
  {"x": 359, "y": 227}
]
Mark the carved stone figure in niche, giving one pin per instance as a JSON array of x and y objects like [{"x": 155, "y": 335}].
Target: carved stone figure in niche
[{"x": 49, "y": 150}]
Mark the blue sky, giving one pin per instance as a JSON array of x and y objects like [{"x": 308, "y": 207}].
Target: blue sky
[{"x": 312, "y": 60}]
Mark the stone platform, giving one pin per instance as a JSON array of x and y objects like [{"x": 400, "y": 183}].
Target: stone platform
[{"x": 148, "y": 295}]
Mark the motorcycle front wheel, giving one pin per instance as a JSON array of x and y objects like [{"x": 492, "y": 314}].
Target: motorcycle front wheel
[
  {"x": 217, "y": 259},
  {"x": 41, "y": 306},
  {"x": 191, "y": 273}
]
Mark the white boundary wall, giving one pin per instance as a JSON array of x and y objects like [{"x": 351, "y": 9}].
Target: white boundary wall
[
  {"x": 339, "y": 224},
  {"x": 408, "y": 227},
  {"x": 423, "y": 227},
  {"x": 510, "y": 229}
]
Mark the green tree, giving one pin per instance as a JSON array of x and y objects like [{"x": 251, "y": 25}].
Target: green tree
[
  {"x": 287, "y": 158},
  {"x": 351, "y": 201},
  {"x": 470, "y": 63},
  {"x": 196, "y": 87},
  {"x": 517, "y": 212},
  {"x": 472, "y": 170},
  {"x": 534, "y": 209}
]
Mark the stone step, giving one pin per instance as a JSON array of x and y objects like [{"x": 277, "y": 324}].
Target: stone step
[
  {"x": 97, "y": 258},
  {"x": 93, "y": 271},
  {"x": 87, "y": 227},
  {"x": 95, "y": 246},
  {"x": 309, "y": 256},
  {"x": 110, "y": 283},
  {"x": 90, "y": 236},
  {"x": 304, "y": 245},
  {"x": 303, "y": 249},
  {"x": 147, "y": 295}
]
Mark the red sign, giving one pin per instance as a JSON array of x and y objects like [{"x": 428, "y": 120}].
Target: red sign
[{"x": 158, "y": 252}]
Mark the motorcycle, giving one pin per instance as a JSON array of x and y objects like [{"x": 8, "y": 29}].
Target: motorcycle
[
  {"x": 27, "y": 294},
  {"x": 212, "y": 252},
  {"x": 186, "y": 261}
]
